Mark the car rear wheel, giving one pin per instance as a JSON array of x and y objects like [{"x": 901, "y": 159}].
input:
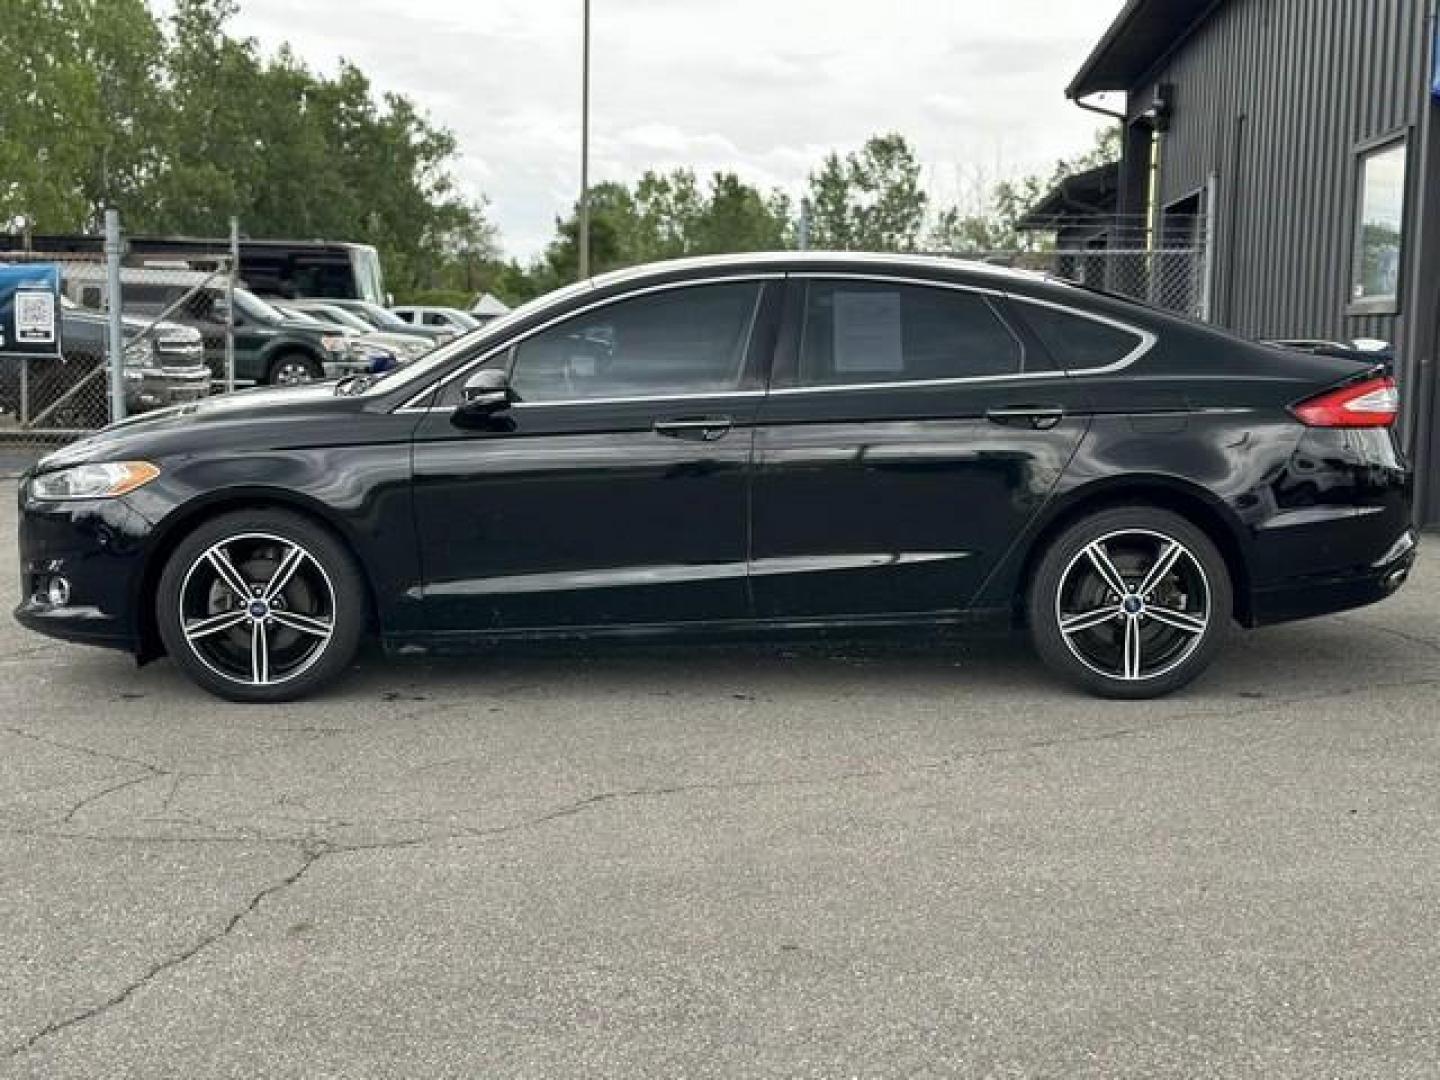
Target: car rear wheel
[
  {"x": 1130, "y": 603},
  {"x": 261, "y": 606},
  {"x": 292, "y": 369}
]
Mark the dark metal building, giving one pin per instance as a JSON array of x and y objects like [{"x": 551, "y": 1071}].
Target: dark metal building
[{"x": 1303, "y": 134}]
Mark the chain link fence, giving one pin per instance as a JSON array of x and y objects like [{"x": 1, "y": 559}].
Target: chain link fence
[
  {"x": 177, "y": 343},
  {"x": 1161, "y": 262}
]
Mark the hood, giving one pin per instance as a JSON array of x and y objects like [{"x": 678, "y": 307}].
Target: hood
[{"x": 146, "y": 434}]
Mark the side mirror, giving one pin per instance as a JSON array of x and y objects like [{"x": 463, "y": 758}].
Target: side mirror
[{"x": 485, "y": 393}]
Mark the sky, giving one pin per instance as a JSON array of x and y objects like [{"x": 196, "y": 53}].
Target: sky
[{"x": 762, "y": 87}]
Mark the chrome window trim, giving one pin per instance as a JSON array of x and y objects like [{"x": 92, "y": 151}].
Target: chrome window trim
[
  {"x": 1148, "y": 340},
  {"x": 959, "y": 380},
  {"x": 897, "y": 279},
  {"x": 668, "y": 286},
  {"x": 710, "y": 396}
]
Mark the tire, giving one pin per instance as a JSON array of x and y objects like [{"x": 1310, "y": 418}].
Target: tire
[
  {"x": 1160, "y": 632},
  {"x": 293, "y": 369},
  {"x": 281, "y": 644}
]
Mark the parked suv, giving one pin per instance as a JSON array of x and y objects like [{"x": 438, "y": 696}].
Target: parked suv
[
  {"x": 438, "y": 318},
  {"x": 382, "y": 318},
  {"x": 405, "y": 347}
]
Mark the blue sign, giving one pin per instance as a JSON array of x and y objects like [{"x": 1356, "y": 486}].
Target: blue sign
[{"x": 30, "y": 310}]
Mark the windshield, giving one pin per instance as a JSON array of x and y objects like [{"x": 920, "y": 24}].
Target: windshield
[
  {"x": 250, "y": 305},
  {"x": 340, "y": 316},
  {"x": 296, "y": 315},
  {"x": 468, "y": 343},
  {"x": 379, "y": 317}
]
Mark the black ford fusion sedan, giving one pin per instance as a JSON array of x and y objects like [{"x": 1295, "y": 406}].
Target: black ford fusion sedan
[{"x": 743, "y": 444}]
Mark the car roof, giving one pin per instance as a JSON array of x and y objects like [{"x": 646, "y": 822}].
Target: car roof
[{"x": 783, "y": 261}]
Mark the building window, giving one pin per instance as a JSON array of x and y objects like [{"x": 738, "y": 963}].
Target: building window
[{"x": 1379, "y": 235}]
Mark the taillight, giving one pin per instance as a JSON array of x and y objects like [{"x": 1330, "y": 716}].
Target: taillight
[{"x": 1372, "y": 403}]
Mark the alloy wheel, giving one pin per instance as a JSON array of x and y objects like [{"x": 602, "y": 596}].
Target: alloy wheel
[
  {"x": 257, "y": 609},
  {"x": 292, "y": 373},
  {"x": 1133, "y": 605}
]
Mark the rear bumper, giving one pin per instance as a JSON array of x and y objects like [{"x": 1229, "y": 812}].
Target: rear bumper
[{"x": 1325, "y": 594}]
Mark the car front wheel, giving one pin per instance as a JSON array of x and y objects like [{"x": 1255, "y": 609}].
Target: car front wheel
[
  {"x": 1130, "y": 603},
  {"x": 293, "y": 369},
  {"x": 261, "y": 605}
]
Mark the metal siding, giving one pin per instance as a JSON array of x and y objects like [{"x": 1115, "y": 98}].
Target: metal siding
[{"x": 1314, "y": 78}]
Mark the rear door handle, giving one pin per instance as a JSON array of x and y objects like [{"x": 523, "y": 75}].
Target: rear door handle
[
  {"x": 699, "y": 429},
  {"x": 1039, "y": 417}
]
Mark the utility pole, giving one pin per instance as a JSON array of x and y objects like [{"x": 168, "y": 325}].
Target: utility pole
[
  {"x": 585, "y": 146},
  {"x": 115, "y": 338}
]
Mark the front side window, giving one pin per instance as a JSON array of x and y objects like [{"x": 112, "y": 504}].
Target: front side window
[
  {"x": 1376, "y": 279},
  {"x": 864, "y": 332},
  {"x": 681, "y": 341}
]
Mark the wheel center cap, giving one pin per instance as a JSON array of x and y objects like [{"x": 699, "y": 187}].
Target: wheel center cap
[
  {"x": 1134, "y": 605},
  {"x": 259, "y": 609}
]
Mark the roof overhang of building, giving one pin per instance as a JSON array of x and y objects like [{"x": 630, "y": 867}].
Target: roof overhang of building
[{"x": 1141, "y": 35}]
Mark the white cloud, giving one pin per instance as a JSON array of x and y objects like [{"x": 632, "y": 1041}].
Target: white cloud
[{"x": 763, "y": 87}]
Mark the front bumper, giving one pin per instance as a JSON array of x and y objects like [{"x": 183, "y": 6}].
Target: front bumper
[
  {"x": 339, "y": 367},
  {"x": 97, "y": 547},
  {"x": 157, "y": 388}
]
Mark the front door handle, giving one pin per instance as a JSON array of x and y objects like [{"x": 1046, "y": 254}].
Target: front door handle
[
  {"x": 1039, "y": 417},
  {"x": 699, "y": 429}
]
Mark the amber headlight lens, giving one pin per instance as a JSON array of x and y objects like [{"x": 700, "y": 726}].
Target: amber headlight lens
[{"x": 105, "y": 481}]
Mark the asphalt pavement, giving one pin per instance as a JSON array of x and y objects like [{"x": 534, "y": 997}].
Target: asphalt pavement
[{"x": 841, "y": 860}]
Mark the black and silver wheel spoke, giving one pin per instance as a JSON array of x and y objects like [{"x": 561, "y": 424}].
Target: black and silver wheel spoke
[
  {"x": 1180, "y": 620},
  {"x": 1133, "y": 605},
  {"x": 227, "y": 572},
  {"x": 226, "y": 620},
  {"x": 1168, "y": 558},
  {"x": 1100, "y": 560},
  {"x": 304, "y": 624},
  {"x": 1134, "y": 659},
  {"x": 284, "y": 572},
  {"x": 257, "y": 609},
  {"x": 1074, "y": 624},
  {"x": 259, "y": 654}
]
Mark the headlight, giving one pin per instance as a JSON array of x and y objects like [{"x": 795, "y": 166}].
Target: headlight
[
  {"x": 107, "y": 481},
  {"x": 140, "y": 353},
  {"x": 334, "y": 344}
]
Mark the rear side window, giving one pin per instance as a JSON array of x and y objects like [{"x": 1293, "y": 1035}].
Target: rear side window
[
  {"x": 1077, "y": 343},
  {"x": 873, "y": 332}
]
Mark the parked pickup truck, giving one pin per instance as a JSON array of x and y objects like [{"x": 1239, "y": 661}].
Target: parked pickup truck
[
  {"x": 269, "y": 346},
  {"x": 164, "y": 365}
]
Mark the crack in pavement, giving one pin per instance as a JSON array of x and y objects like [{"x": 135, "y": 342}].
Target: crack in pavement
[
  {"x": 79, "y": 748},
  {"x": 314, "y": 850},
  {"x": 106, "y": 792},
  {"x": 168, "y": 964}
]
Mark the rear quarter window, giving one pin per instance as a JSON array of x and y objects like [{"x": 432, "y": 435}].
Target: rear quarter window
[{"x": 1076, "y": 342}]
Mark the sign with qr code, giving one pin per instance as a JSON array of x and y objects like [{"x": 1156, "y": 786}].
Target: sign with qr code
[{"x": 30, "y": 316}]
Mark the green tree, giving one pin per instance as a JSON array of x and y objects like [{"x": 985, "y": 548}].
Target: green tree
[
  {"x": 77, "y": 106},
  {"x": 871, "y": 200},
  {"x": 665, "y": 216}
]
